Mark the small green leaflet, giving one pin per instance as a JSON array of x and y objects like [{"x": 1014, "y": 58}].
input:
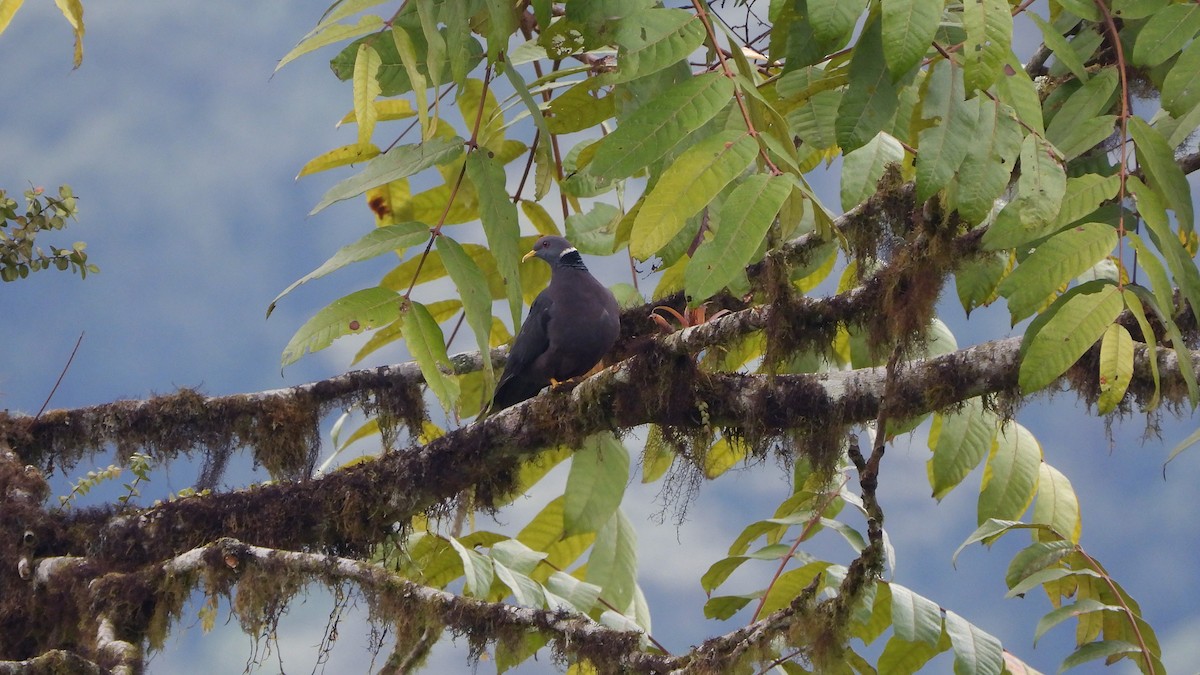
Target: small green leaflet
[
  {"x": 789, "y": 585},
  {"x": 441, "y": 310},
  {"x": 366, "y": 90},
  {"x": 1094, "y": 98},
  {"x": 832, "y": 20},
  {"x": 871, "y": 97},
  {"x": 652, "y": 39},
  {"x": 1057, "y": 504},
  {"x": 1178, "y": 259},
  {"x": 1049, "y": 575},
  {"x": 915, "y": 617},
  {"x": 1133, "y": 303},
  {"x": 944, "y": 145},
  {"x": 1175, "y": 337},
  {"x": 594, "y": 232},
  {"x": 989, "y": 27},
  {"x": 1015, "y": 88},
  {"x": 1010, "y": 476},
  {"x": 908, "y": 30},
  {"x": 359, "y": 311},
  {"x": 526, "y": 591},
  {"x": 612, "y": 564},
  {"x": 329, "y": 34},
  {"x": 1162, "y": 173},
  {"x": 407, "y": 52},
  {"x": 1054, "y": 263},
  {"x": 477, "y": 569},
  {"x": 722, "y": 456},
  {"x": 428, "y": 346},
  {"x": 862, "y": 168},
  {"x": 1165, "y": 34},
  {"x": 499, "y": 217},
  {"x": 1181, "y": 87},
  {"x": 1060, "y": 335},
  {"x": 596, "y": 483},
  {"x": 746, "y": 216},
  {"x": 975, "y": 650},
  {"x": 1085, "y": 135},
  {"x": 472, "y": 287},
  {"x": 578, "y": 108},
  {"x": 976, "y": 281},
  {"x": 959, "y": 440},
  {"x": 687, "y": 186},
  {"x": 399, "y": 162},
  {"x": 1037, "y": 558},
  {"x": 581, "y": 595},
  {"x": 657, "y": 457},
  {"x": 435, "y": 44},
  {"x": 905, "y": 657},
  {"x": 545, "y": 528},
  {"x": 375, "y": 243},
  {"x": 991, "y": 530},
  {"x": 991, "y": 155},
  {"x": 1041, "y": 185},
  {"x": 815, "y": 118},
  {"x": 1103, "y": 649},
  {"x": 501, "y": 23},
  {"x": 1061, "y": 48},
  {"x": 1084, "y": 194},
  {"x": 1057, "y": 616},
  {"x": 657, "y": 127},
  {"x": 1116, "y": 367},
  {"x": 1083, "y": 9}
]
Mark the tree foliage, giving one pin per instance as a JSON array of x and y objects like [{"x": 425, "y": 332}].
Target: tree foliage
[
  {"x": 683, "y": 140},
  {"x": 19, "y": 231}
]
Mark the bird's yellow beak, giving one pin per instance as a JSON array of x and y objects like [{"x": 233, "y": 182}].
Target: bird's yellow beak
[{"x": 529, "y": 255}]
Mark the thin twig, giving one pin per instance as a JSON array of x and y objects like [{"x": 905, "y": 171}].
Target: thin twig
[
  {"x": 1137, "y": 632},
  {"x": 809, "y": 526},
  {"x": 60, "y": 378},
  {"x": 472, "y": 146},
  {"x": 702, "y": 14},
  {"x": 1111, "y": 28}
]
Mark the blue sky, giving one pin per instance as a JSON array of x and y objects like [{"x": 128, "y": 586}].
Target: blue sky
[{"x": 182, "y": 148}]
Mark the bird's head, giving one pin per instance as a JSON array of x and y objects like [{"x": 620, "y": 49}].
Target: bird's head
[{"x": 551, "y": 249}]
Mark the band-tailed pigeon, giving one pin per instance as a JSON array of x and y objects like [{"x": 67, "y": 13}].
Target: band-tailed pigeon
[{"x": 570, "y": 327}]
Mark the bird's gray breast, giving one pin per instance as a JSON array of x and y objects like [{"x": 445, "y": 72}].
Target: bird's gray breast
[{"x": 582, "y": 330}]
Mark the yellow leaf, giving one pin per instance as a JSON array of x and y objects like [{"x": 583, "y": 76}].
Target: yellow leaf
[
  {"x": 385, "y": 111},
  {"x": 390, "y": 202},
  {"x": 366, "y": 90},
  {"x": 347, "y": 154},
  {"x": 1116, "y": 367},
  {"x": 73, "y": 10},
  {"x": 722, "y": 456},
  {"x": 8, "y": 8}
]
